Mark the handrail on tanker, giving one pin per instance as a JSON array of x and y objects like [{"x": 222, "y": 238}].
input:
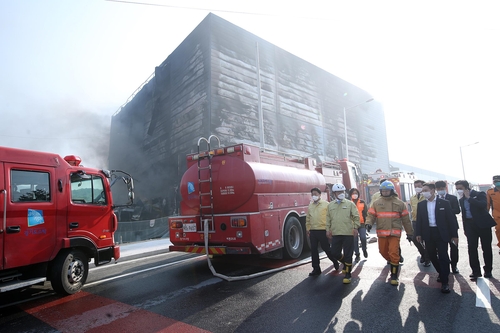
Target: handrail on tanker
[
  {"x": 208, "y": 141},
  {"x": 281, "y": 153}
]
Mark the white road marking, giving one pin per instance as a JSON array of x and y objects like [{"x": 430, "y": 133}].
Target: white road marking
[
  {"x": 131, "y": 261},
  {"x": 141, "y": 271},
  {"x": 483, "y": 294}
]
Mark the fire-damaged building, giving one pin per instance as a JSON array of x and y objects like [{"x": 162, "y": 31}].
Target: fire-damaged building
[{"x": 224, "y": 81}]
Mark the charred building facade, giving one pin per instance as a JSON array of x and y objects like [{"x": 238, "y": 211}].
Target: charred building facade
[{"x": 226, "y": 81}]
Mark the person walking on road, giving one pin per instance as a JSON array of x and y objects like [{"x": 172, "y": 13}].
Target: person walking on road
[
  {"x": 414, "y": 200},
  {"x": 342, "y": 223},
  {"x": 493, "y": 201},
  {"x": 315, "y": 227},
  {"x": 391, "y": 216},
  {"x": 442, "y": 193},
  {"x": 477, "y": 226},
  {"x": 375, "y": 196},
  {"x": 363, "y": 211},
  {"x": 437, "y": 226}
]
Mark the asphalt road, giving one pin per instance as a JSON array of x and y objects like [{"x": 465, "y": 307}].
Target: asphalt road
[{"x": 175, "y": 292}]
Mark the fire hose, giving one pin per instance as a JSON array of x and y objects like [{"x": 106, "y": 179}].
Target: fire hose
[{"x": 245, "y": 277}]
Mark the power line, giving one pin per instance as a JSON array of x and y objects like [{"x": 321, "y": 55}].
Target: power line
[{"x": 217, "y": 10}]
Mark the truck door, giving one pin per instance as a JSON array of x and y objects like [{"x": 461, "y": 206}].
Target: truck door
[
  {"x": 3, "y": 206},
  {"x": 89, "y": 213},
  {"x": 30, "y": 230}
]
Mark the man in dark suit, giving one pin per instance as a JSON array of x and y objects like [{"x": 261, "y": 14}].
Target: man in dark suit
[
  {"x": 436, "y": 226},
  {"x": 477, "y": 225},
  {"x": 442, "y": 193}
]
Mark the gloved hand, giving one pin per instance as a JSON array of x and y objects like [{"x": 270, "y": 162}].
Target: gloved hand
[
  {"x": 409, "y": 238},
  {"x": 368, "y": 227}
]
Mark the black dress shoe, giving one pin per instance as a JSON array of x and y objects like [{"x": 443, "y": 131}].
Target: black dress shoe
[
  {"x": 488, "y": 275},
  {"x": 315, "y": 272},
  {"x": 445, "y": 289},
  {"x": 474, "y": 276},
  {"x": 427, "y": 264},
  {"x": 454, "y": 270}
]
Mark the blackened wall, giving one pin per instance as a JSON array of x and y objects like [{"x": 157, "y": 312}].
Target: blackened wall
[{"x": 218, "y": 81}]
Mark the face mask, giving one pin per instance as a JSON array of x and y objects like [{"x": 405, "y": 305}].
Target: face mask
[
  {"x": 418, "y": 189},
  {"x": 341, "y": 196},
  {"x": 315, "y": 198},
  {"x": 354, "y": 196},
  {"x": 460, "y": 192},
  {"x": 497, "y": 184},
  {"x": 442, "y": 192},
  {"x": 427, "y": 195}
]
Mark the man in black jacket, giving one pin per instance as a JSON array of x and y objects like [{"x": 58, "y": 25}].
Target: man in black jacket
[
  {"x": 442, "y": 193},
  {"x": 477, "y": 225},
  {"x": 436, "y": 226}
]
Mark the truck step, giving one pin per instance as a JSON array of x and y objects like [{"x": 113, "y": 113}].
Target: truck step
[
  {"x": 205, "y": 168},
  {"x": 8, "y": 278},
  {"x": 16, "y": 284},
  {"x": 207, "y": 193},
  {"x": 205, "y": 207},
  {"x": 205, "y": 180}
]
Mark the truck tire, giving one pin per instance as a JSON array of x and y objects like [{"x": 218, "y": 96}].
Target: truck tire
[
  {"x": 293, "y": 238},
  {"x": 69, "y": 272}
]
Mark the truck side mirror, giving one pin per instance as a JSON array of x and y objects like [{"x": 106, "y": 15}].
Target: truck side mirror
[{"x": 130, "y": 186}]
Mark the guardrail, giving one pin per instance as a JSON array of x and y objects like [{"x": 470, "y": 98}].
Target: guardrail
[{"x": 134, "y": 231}]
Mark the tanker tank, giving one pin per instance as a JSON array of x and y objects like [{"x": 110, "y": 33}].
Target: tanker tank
[{"x": 235, "y": 182}]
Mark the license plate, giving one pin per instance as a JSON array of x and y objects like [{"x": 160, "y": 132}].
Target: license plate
[{"x": 189, "y": 227}]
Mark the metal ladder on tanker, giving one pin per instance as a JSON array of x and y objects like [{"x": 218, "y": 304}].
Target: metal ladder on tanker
[{"x": 206, "y": 211}]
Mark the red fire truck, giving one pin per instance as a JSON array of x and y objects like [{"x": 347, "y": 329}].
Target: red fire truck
[
  {"x": 56, "y": 216},
  {"x": 255, "y": 201}
]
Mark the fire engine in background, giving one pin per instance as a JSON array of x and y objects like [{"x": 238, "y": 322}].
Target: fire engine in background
[
  {"x": 56, "y": 216},
  {"x": 403, "y": 183},
  {"x": 255, "y": 200}
]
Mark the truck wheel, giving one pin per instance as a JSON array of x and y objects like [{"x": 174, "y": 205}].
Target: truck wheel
[
  {"x": 69, "y": 272},
  {"x": 293, "y": 238}
]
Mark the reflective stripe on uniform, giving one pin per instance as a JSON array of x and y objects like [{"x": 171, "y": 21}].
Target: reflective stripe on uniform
[{"x": 387, "y": 233}]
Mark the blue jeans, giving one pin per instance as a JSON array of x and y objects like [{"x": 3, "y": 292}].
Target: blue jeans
[{"x": 362, "y": 236}]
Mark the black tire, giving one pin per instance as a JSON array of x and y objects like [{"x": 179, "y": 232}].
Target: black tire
[
  {"x": 293, "y": 238},
  {"x": 69, "y": 272}
]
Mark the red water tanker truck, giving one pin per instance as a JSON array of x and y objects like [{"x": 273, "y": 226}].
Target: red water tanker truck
[{"x": 255, "y": 201}]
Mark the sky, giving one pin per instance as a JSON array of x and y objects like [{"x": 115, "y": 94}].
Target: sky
[{"x": 66, "y": 66}]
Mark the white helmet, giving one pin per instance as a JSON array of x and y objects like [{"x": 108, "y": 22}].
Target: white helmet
[{"x": 338, "y": 187}]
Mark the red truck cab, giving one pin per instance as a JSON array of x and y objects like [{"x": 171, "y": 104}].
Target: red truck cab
[{"x": 56, "y": 217}]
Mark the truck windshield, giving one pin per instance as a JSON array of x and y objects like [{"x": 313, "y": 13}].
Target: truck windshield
[{"x": 89, "y": 190}]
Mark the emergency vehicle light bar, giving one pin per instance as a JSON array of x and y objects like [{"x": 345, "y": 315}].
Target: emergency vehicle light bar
[{"x": 215, "y": 152}]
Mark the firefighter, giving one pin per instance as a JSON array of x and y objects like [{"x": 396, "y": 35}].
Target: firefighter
[
  {"x": 316, "y": 226},
  {"x": 493, "y": 198},
  {"x": 391, "y": 216},
  {"x": 342, "y": 223}
]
